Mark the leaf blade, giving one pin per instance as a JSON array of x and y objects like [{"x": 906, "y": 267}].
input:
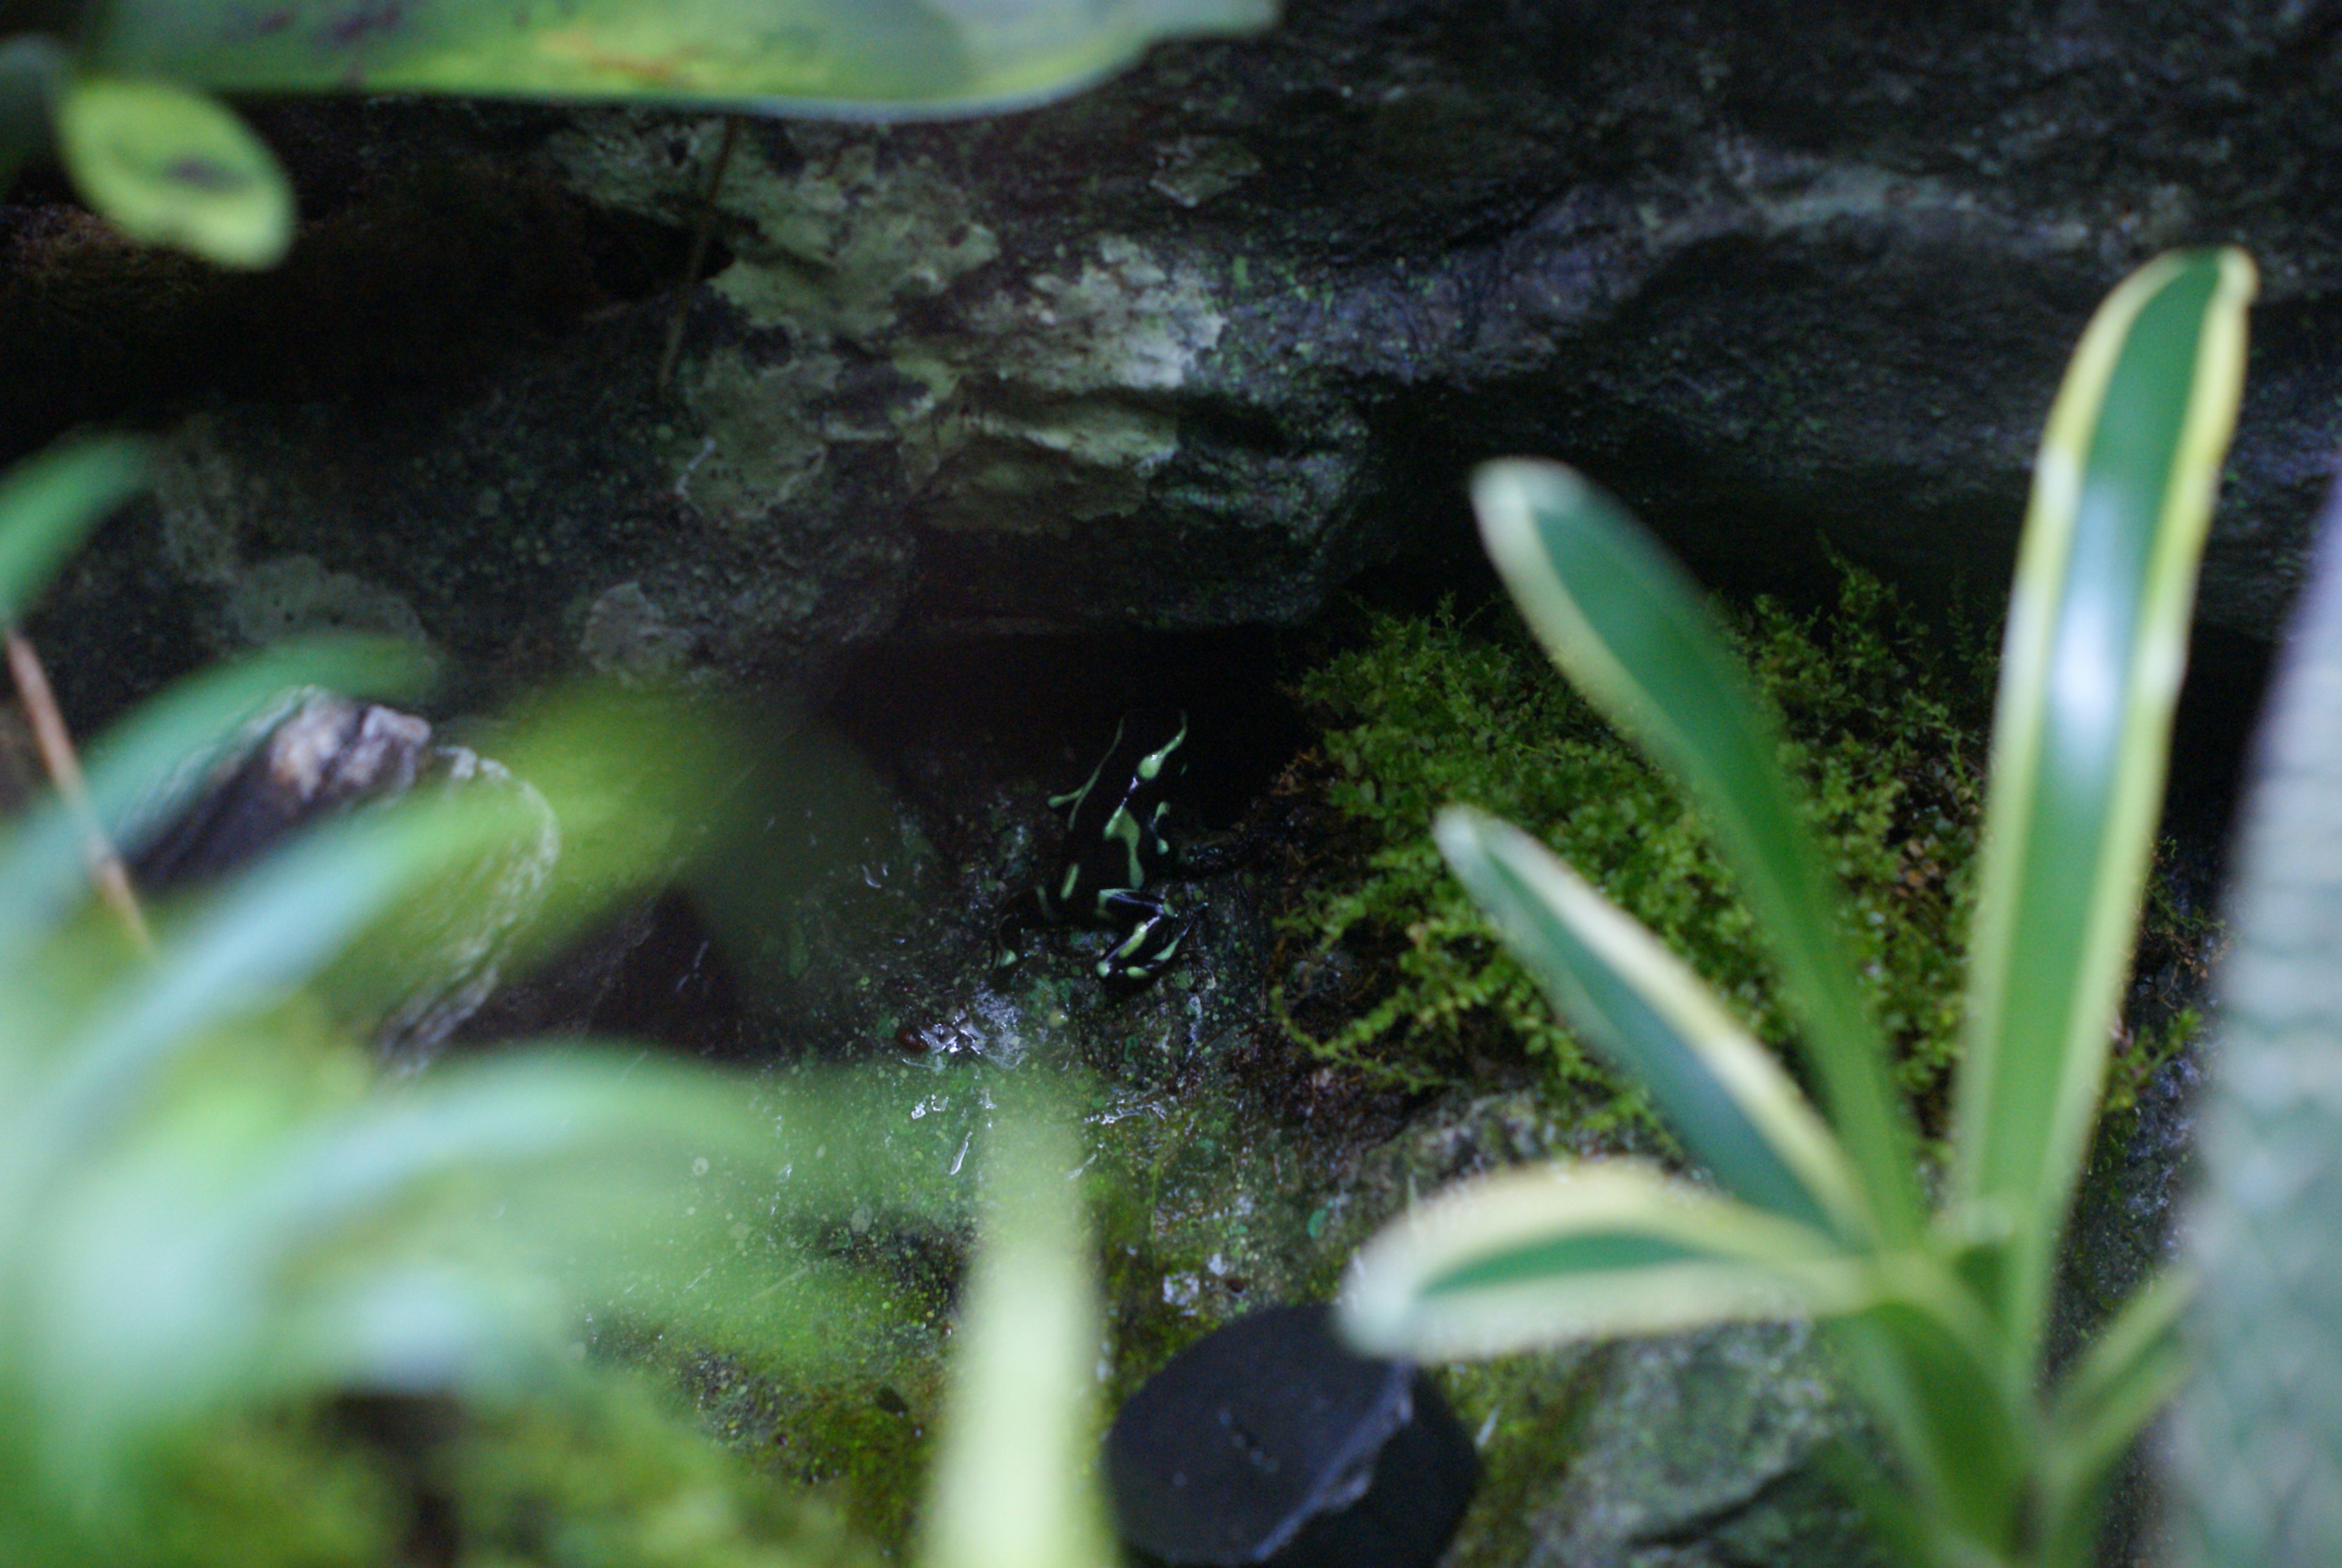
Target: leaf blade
[
  {"x": 1632, "y": 633},
  {"x": 1550, "y": 1254},
  {"x": 268, "y": 933},
  {"x": 1731, "y": 1103},
  {"x": 1015, "y": 1483},
  {"x": 49, "y": 504},
  {"x": 169, "y": 166},
  {"x": 856, "y": 58},
  {"x": 144, "y": 767},
  {"x": 2097, "y": 643}
]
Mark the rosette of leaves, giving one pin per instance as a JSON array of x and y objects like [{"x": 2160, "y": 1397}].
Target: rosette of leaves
[
  {"x": 125, "y": 85},
  {"x": 1941, "y": 1314},
  {"x": 210, "y": 1204}
]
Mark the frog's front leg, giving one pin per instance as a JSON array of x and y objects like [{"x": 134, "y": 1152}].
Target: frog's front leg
[{"x": 1152, "y": 941}]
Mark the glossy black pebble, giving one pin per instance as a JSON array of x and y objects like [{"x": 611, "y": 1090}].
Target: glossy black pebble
[{"x": 1269, "y": 1441}]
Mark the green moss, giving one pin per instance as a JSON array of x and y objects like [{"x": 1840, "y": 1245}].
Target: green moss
[
  {"x": 616, "y": 1483},
  {"x": 268, "y": 1493},
  {"x": 1526, "y": 1413},
  {"x": 861, "y": 1442},
  {"x": 1886, "y": 725},
  {"x": 598, "y": 1475}
]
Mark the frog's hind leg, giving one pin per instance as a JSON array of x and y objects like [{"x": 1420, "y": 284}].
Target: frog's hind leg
[{"x": 1151, "y": 947}]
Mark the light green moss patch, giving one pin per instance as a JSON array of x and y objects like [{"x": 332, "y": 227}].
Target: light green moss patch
[{"x": 1887, "y": 727}]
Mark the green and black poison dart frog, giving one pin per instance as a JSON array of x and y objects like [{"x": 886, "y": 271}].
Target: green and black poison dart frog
[{"x": 1114, "y": 846}]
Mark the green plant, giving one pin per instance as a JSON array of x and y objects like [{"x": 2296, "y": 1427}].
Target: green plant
[
  {"x": 1015, "y": 1483},
  {"x": 2254, "y": 1459},
  {"x": 147, "y": 146},
  {"x": 1940, "y": 1315},
  {"x": 1885, "y": 723},
  {"x": 211, "y": 1203}
]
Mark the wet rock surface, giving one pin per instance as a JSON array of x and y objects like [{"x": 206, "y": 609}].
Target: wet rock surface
[
  {"x": 1231, "y": 1172},
  {"x": 1193, "y": 349}
]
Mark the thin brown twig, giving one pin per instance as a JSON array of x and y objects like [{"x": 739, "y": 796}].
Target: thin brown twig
[
  {"x": 106, "y": 872},
  {"x": 701, "y": 237}
]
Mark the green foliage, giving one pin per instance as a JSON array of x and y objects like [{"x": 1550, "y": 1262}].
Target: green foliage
[
  {"x": 1940, "y": 1315},
  {"x": 604, "y": 1478},
  {"x": 856, "y": 58},
  {"x": 173, "y": 165},
  {"x": 594, "y": 1473},
  {"x": 1884, "y": 721},
  {"x": 1014, "y": 1482},
  {"x": 211, "y": 1203}
]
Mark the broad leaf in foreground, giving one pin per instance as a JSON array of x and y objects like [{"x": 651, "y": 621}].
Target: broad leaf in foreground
[
  {"x": 1634, "y": 635},
  {"x": 2096, "y": 643},
  {"x": 1723, "y": 1096},
  {"x": 880, "y": 58}
]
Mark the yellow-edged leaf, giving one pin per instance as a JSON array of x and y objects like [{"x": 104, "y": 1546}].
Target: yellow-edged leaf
[
  {"x": 2096, "y": 643},
  {"x": 1552, "y": 1253},
  {"x": 874, "y": 58},
  {"x": 1722, "y": 1093},
  {"x": 1634, "y": 635}
]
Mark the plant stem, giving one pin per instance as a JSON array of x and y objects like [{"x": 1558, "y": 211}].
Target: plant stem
[
  {"x": 701, "y": 237},
  {"x": 106, "y": 872}
]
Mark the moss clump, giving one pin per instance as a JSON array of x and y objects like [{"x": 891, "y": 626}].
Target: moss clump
[
  {"x": 596, "y": 1474},
  {"x": 616, "y": 1483},
  {"x": 1886, "y": 725}
]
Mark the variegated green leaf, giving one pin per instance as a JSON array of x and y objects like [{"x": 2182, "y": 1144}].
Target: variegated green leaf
[
  {"x": 1631, "y": 632},
  {"x": 2097, "y": 643},
  {"x": 1566, "y": 1252},
  {"x": 861, "y": 57},
  {"x": 1016, "y": 1484},
  {"x": 1726, "y": 1097},
  {"x": 169, "y": 166},
  {"x": 1926, "y": 1362}
]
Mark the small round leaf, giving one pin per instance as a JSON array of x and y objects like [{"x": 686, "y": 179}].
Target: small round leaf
[{"x": 172, "y": 167}]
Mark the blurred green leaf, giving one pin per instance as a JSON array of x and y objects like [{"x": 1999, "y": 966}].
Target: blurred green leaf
[
  {"x": 174, "y": 167},
  {"x": 1579, "y": 1250},
  {"x": 2096, "y": 643},
  {"x": 146, "y": 767},
  {"x": 1016, "y": 1484},
  {"x": 49, "y": 504},
  {"x": 1728, "y": 1100},
  {"x": 1967, "y": 1441},
  {"x": 210, "y": 1200},
  {"x": 1631, "y": 632},
  {"x": 256, "y": 941},
  {"x": 864, "y": 57},
  {"x": 30, "y": 71}
]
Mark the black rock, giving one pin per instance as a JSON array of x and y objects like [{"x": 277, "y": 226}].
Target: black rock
[{"x": 1270, "y": 1441}]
